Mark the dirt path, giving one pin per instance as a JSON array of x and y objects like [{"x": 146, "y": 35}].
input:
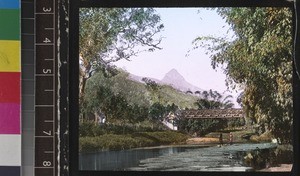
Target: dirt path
[
  {"x": 281, "y": 168},
  {"x": 202, "y": 140}
]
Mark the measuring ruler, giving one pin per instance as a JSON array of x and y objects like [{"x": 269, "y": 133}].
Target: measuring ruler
[
  {"x": 44, "y": 93},
  {"x": 45, "y": 88}
]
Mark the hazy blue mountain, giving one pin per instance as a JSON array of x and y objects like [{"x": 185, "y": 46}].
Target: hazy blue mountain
[
  {"x": 176, "y": 80},
  {"x": 172, "y": 78}
]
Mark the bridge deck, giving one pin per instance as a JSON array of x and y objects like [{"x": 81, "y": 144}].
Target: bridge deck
[{"x": 213, "y": 113}]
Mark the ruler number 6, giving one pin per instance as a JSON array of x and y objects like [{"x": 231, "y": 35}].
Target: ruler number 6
[
  {"x": 47, "y": 9},
  {"x": 47, "y": 163},
  {"x": 47, "y": 133}
]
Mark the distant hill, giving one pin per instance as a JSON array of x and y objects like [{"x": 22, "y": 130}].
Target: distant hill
[
  {"x": 134, "y": 90},
  {"x": 172, "y": 78}
]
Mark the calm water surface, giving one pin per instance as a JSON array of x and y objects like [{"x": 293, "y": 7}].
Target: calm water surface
[
  {"x": 124, "y": 159},
  {"x": 183, "y": 158}
]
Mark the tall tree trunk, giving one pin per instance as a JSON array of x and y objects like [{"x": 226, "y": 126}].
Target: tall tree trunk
[{"x": 84, "y": 75}]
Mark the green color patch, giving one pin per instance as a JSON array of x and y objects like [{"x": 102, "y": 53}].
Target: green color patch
[{"x": 9, "y": 24}]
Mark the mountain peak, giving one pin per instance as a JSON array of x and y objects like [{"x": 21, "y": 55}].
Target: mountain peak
[
  {"x": 173, "y": 70},
  {"x": 173, "y": 74},
  {"x": 177, "y": 81}
]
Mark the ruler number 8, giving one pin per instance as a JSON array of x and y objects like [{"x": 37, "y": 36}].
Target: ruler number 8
[
  {"x": 47, "y": 163},
  {"x": 47, "y": 9}
]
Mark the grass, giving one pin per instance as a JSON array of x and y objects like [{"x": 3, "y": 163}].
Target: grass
[{"x": 128, "y": 141}]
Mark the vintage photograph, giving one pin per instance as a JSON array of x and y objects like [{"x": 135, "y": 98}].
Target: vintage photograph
[{"x": 186, "y": 89}]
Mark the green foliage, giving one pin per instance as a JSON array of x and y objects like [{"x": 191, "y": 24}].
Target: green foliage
[
  {"x": 112, "y": 33},
  {"x": 119, "y": 97},
  {"x": 235, "y": 122},
  {"x": 107, "y": 35},
  {"x": 273, "y": 157},
  {"x": 259, "y": 59},
  {"x": 158, "y": 111},
  {"x": 213, "y": 100},
  {"x": 90, "y": 129},
  {"x": 201, "y": 127}
]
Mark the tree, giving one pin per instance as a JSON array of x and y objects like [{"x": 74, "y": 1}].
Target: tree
[
  {"x": 107, "y": 35},
  {"x": 259, "y": 58},
  {"x": 154, "y": 89},
  {"x": 213, "y": 100},
  {"x": 118, "y": 97},
  {"x": 157, "y": 112}
]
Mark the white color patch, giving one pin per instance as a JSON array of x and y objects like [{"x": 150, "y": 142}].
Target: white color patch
[{"x": 10, "y": 150}]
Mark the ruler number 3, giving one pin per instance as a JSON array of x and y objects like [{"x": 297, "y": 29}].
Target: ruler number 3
[
  {"x": 47, "y": 9},
  {"x": 47, "y": 163}
]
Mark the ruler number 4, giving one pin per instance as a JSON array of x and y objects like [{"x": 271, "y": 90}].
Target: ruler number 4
[
  {"x": 47, "y": 133},
  {"x": 47, "y": 40}
]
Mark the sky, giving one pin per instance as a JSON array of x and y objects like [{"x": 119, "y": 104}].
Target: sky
[{"x": 181, "y": 27}]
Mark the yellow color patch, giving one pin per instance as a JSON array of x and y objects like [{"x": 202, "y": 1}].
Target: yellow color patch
[{"x": 10, "y": 60}]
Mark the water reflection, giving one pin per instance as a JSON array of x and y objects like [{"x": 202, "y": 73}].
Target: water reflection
[
  {"x": 188, "y": 158},
  {"x": 120, "y": 160}
]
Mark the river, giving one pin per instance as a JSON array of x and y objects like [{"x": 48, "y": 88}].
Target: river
[{"x": 172, "y": 158}]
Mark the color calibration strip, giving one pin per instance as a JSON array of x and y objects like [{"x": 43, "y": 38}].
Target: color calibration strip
[{"x": 10, "y": 88}]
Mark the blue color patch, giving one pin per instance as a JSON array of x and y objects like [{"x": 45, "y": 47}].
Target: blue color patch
[
  {"x": 10, "y": 170},
  {"x": 9, "y": 4}
]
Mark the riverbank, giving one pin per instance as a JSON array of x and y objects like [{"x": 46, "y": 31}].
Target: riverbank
[
  {"x": 278, "y": 159},
  {"x": 280, "y": 168},
  {"x": 129, "y": 141}
]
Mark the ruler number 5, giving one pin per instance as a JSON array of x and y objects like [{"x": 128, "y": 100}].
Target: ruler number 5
[
  {"x": 47, "y": 71},
  {"x": 47, "y": 163},
  {"x": 47, "y": 9},
  {"x": 47, "y": 133}
]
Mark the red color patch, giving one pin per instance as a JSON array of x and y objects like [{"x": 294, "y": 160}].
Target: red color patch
[{"x": 10, "y": 88}]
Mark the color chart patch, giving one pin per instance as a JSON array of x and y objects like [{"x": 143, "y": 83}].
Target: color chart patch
[{"x": 10, "y": 88}]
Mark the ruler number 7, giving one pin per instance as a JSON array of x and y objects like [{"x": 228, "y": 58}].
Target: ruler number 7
[{"x": 47, "y": 133}]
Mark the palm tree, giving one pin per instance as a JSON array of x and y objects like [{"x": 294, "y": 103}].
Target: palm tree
[
  {"x": 213, "y": 100},
  {"x": 227, "y": 103}
]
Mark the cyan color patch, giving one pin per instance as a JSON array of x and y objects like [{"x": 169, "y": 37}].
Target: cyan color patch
[{"x": 9, "y": 4}]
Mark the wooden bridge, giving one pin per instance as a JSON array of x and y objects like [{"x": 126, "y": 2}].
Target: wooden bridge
[{"x": 212, "y": 113}]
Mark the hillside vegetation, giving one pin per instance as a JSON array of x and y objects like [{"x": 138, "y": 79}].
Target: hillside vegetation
[{"x": 110, "y": 93}]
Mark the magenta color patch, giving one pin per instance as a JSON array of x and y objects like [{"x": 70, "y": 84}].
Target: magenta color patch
[{"x": 10, "y": 118}]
